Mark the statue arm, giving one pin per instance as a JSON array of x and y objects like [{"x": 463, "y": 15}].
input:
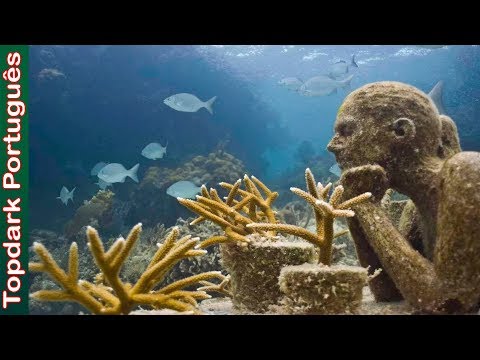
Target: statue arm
[
  {"x": 382, "y": 286},
  {"x": 412, "y": 273}
]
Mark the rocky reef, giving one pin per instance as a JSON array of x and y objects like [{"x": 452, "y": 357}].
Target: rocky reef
[
  {"x": 151, "y": 205},
  {"x": 96, "y": 212}
]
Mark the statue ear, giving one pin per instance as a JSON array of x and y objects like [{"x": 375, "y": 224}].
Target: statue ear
[
  {"x": 450, "y": 137},
  {"x": 403, "y": 128}
]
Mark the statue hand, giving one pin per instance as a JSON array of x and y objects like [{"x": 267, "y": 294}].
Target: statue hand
[{"x": 365, "y": 178}]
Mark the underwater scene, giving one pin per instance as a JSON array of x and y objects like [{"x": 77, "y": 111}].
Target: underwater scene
[{"x": 254, "y": 179}]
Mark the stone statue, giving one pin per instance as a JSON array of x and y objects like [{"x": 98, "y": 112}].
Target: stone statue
[{"x": 391, "y": 135}]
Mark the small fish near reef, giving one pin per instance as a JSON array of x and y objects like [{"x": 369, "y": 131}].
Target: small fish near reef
[
  {"x": 291, "y": 83},
  {"x": 183, "y": 189},
  {"x": 323, "y": 85},
  {"x": 98, "y": 166},
  {"x": 340, "y": 68},
  {"x": 188, "y": 103},
  {"x": 114, "y": 173},
  {"x": 335, "y": 170},
  {"x": 154, "y": 151},
  {"x": 66, "y": 195}
]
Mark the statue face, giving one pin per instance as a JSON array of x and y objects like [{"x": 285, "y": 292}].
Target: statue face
[
  {"x": 359, "y": 139},
  {"x": 386, "y": 123}
]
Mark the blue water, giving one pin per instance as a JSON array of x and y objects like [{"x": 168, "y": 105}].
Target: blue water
[{"x": 108, "y": 104}]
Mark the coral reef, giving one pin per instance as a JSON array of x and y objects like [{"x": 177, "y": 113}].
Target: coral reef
[
  {"x": 252, "y": 257},
  {"x": 108, "y": 294},
  {"x": 97, "y": 212},
  {"x": 152, "y": 205},
  {"x": 390, "y": 135},
  {"x": 321, "y": 289}
]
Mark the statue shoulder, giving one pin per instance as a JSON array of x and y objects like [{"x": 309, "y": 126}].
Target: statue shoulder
[
  {"x": 463, "y": 164},
  {"x": 460, "y": 179}
]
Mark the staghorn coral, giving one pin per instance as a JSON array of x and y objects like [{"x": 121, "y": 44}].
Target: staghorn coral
[
  {"x": 253, "y": 258},
  {"x": 145, "y": 249},
  {"x": 233, "y": 215},
  {"x": 325, "y": 213},
  {"x": 60, "y": 247},
  {"x": 320, "y": 288},
  {"x": 108, "y": 294}
]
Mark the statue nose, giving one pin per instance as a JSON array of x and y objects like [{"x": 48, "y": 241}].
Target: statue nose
[{"x": 332, "y": 146}]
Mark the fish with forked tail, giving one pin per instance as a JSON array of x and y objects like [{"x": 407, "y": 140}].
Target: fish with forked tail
[
  {"x": 66, "y": 195},
  {"x": 323, "y": 85},
  {"x": 340, "y": 68},
  {"x": 113, "y": 173},
  {"x": 188, "y": 103}
]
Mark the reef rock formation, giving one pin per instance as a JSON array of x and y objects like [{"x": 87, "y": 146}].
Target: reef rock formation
[
  {"x": 151, "y": 205},
  {"x": 96, "y": 212}
]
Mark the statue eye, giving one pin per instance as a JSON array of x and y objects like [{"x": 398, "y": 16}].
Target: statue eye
[{"x": 344, "y": 130}]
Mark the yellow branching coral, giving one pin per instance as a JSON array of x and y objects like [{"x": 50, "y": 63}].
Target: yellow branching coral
[
  {"x": 222, "y": 288},
  {"x": 109, "y": 294},
  {"x": 234, "y": 213},
  {"x": 326, "y": 210}
]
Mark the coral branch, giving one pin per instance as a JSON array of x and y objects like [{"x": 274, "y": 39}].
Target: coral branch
[
  {"x": 119, "y": 297},
  {"x": 288, "y": 229}
]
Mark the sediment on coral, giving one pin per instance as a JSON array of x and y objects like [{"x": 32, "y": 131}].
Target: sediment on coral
[
  {"x": 151, "y": 205},
  {"x": 109, "y": 294}
]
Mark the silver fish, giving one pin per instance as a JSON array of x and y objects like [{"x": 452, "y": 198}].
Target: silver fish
[
  {"x": 323, "y": 85},
  {"x": 335, "y": 170},
  {"x": 98, "y": 166},
  {"x": 113, "y": 173},
  {"x": 188, "y": 103},
  {"x": 291, "y": 83},
  {"x": 154, "y": 151},
  {"x": 340, "y": 68},
  {"x": 66, "y": 195},
  {"x": 183, "y": 189}
]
